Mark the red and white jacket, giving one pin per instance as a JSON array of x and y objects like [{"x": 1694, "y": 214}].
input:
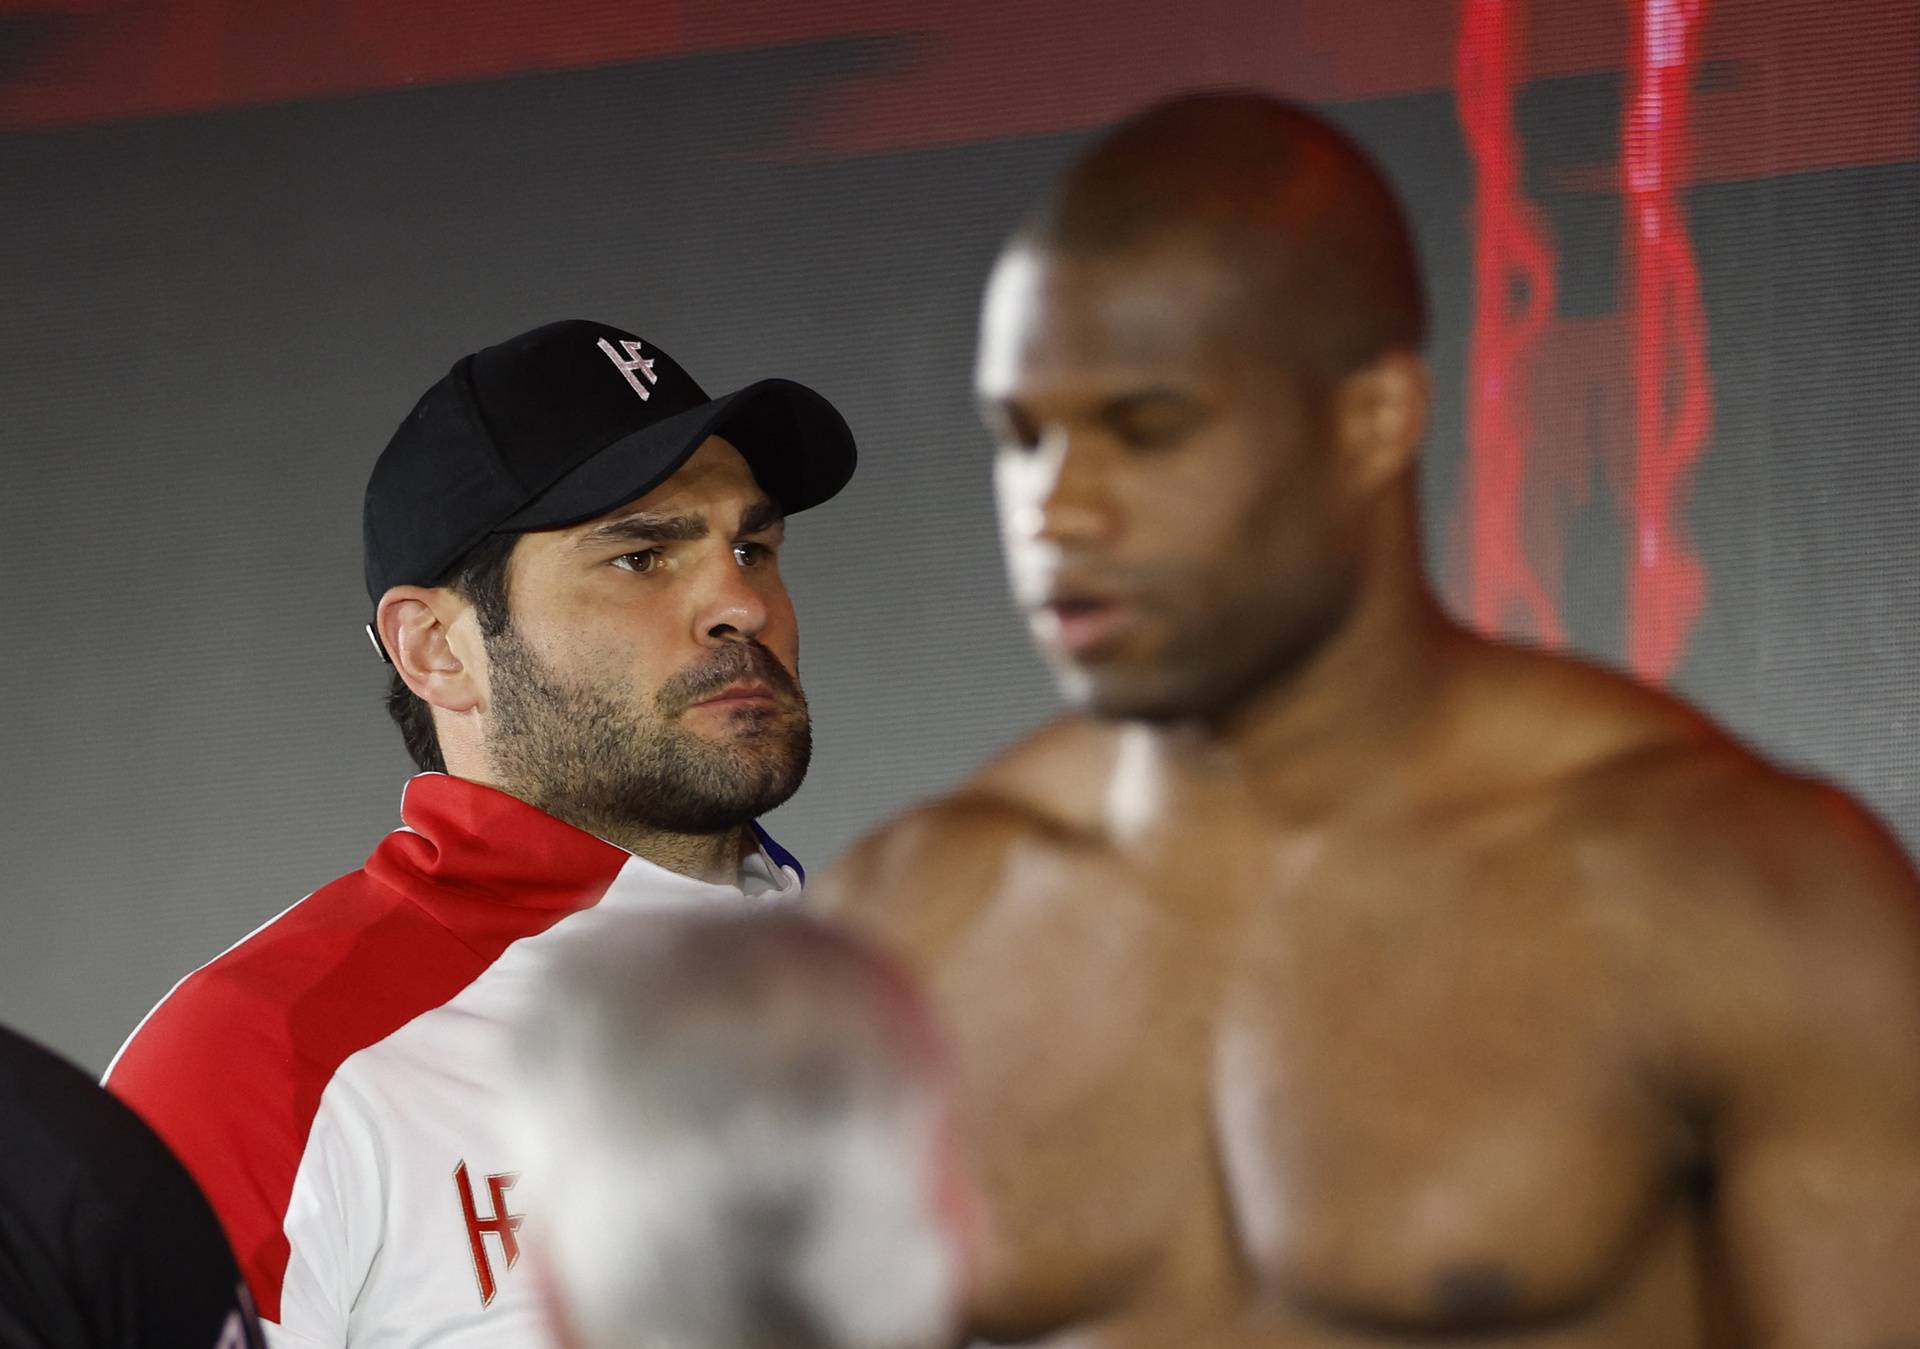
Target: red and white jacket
[{"x": 335, "y": 1082}]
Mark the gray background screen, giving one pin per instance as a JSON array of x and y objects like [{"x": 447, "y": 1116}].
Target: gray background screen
[{"x": 239, "y": 246}]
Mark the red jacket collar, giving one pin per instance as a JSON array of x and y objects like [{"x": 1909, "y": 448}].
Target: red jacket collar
[{"x": 464, "y": 838}]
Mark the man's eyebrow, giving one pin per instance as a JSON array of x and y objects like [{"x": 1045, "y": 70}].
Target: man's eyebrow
[
  {"x": 645, "y": 528},
  {"x": 1140, "y": 399},
  {"x": 649, "y": 527},
  {"x": 995, "y": 409},
  {"x": 761, "y": 515}
]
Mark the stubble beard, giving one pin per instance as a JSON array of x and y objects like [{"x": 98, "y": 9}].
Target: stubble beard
[{"x": 619, "y": 764}]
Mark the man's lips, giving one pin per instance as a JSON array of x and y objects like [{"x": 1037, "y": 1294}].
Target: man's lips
[
  {"x": 740, "y": 695},
  {"x": 1084, "y": 625}
]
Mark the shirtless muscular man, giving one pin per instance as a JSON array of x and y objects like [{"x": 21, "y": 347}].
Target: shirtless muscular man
[{"x": 1335, "y": 977}]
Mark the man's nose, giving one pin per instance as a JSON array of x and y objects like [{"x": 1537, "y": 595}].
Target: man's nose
[
  {"x": 1078, "y": 506},
  {"x": 732, "y": 608}
]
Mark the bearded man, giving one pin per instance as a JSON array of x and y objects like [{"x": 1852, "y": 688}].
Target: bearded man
[{"x": 573, "y": 555}]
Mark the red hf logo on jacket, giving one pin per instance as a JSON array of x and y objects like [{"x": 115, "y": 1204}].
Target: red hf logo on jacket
[{"x": 497, "y": 1222}]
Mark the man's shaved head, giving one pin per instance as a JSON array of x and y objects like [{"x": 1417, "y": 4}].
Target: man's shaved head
[
  {"x": 1276, "y": 193},
  {"x": 1199, "y": 360}
]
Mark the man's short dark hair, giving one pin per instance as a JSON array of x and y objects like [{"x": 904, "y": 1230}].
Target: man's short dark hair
[
  {"x": 480, "y": 576},
  {"x": 1296, "y": 206}
]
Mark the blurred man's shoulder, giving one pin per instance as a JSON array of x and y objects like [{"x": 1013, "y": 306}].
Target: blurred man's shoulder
[
  {"x": 1688, "y": 810},
  {"x": 1056, "y": 777},
  {"x": 1566, "y": 729},
  {"x": 1045, "y": 793}
]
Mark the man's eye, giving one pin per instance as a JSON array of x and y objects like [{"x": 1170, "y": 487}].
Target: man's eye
[
  {"x": 751, "y": 554},
  {"x": 1025, "y": 439},
  {"x": 644, "y": 561},
  {"x": 1011, "y": 431},
  {"x": 1153, "y": 433}
]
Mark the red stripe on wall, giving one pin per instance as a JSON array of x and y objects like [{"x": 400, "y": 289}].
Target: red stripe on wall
[{"x": 1797, "y": 85}]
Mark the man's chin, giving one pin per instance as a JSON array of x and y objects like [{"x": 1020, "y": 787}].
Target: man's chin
[
  {"x": 1115, "y": 693},
  {"x": 766, "y": 794},
  {"x": 753, "y": 791},
  {"x": 769, "y": 771}
]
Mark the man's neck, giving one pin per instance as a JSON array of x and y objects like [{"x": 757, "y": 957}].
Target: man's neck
[
  {"x": 1353, "y": 715},
  {"x": 713, "y": 858}
]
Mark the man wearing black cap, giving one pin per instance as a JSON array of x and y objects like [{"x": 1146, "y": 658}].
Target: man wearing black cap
[{"x": 572, "y": 554}]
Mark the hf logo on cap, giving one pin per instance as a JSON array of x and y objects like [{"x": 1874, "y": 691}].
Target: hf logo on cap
[{"x": 633, "y": 363}]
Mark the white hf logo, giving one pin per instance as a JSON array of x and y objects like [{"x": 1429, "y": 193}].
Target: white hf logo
[{"x": 633, "y": 365}]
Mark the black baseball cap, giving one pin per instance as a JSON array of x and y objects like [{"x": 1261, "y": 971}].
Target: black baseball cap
[{"x": 564, "y": 423}]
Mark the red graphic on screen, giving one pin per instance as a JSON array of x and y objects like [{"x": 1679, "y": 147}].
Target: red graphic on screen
[
  {"x": 948, "y": 72},
  {"x": 1666, "y": 585},
  {"x": 1513, "y": 293},
  {"x": 1511, "y": 474}
]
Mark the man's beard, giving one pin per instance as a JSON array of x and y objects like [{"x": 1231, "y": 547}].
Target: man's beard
[{"x": 587, "y": 752}]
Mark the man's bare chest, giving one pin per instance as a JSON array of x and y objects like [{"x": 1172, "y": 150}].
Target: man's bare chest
[{"x": 1416, "y": 1090}]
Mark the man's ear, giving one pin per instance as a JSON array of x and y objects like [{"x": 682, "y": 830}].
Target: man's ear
[
  {"x": 433, "y": 642},
  {"x": 1380, "y": 416}
]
